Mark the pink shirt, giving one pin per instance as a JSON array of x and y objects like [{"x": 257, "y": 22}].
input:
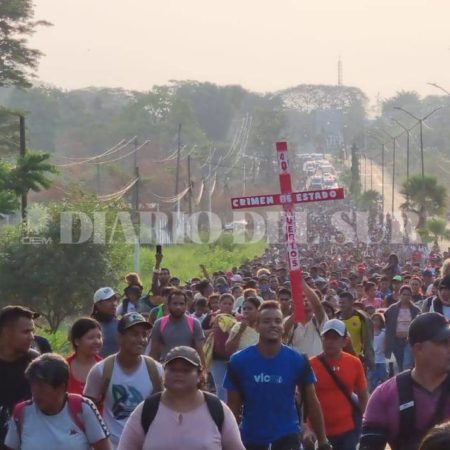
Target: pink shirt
[
  {"x": 376, "y": 302},
  {"x": 194, "y": 430}
]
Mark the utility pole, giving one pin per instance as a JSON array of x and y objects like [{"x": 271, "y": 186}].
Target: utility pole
[
  {"x": 190, "y": 185},
  {"x": 23, "y": 151},
  {"x": 371, "y": 174},
  {"x": 136, "y": 207},
  {"x": 244, "y": 175},
  {"x": 210, "y": 186},
  {"x": 98, "y": 179},
  {"x": 177, "y": 175},
  {"x": 365, "y": 172},
  {"x": 382, "y": 173},
  {"x": 393, "y": 176}
]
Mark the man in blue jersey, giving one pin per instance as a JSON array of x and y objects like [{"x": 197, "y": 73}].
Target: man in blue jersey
[{"x": 263, "y": 379}]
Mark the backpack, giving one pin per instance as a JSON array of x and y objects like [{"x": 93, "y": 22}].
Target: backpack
[
  {"x": 152, "y": 369},
  {"x": 151, "y": 405},
  {"x": 74, "y": 403},
  {"x": 409, "y": 435},
  {"x": 165, "y": 321}
]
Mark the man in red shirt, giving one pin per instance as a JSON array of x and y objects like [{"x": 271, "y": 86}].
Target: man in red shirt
[{"x": 341, "y": 387}]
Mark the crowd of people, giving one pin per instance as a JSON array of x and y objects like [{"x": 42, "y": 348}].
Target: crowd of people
[{"x": 220, "y": 362}]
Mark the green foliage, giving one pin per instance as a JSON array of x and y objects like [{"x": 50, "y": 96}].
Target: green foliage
[
  {"x": 58, "y": 340},
  {"x": 435, "y": 230},
  {"x": 8, "y": 198},
  {"x": 57, "y": 279},
  {"x": 183, "y": 260},
  {"x": 9, "y": 131},
  {"x": 368, "y": 200},
  {"x": 31, "y": 173},
  {"x": 424, "y": 197},
  {"x": 355, "y": 181},
  {"x": 17, "y": 60}
]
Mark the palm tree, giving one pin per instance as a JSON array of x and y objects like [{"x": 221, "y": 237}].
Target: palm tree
[
  {"x": 436, "y": 227},
  {"x": 8, "y": 199},
  {"x": 424, "y": 197},
  {"x": 31, "y": 173},
  {"x": 368, "y": 200}
]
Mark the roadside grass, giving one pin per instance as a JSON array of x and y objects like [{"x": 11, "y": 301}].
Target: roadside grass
[{"x": 184, "y": 260}]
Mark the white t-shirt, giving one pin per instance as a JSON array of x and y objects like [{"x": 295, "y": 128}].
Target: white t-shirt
[
  {"x": 306, "y": 337},
  {"x": 125, "y": 392},
  {"x": 378, "y": 347},
  {"x": 41, "y": 431}
]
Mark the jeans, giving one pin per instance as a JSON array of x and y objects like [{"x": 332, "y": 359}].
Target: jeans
[
  {"x": 403, "y": 354},
  {"x": 289, "y": 442},
  {"x": 218, "y": 370},
  {"x": 377, "y": 375},
  {"x": 346, "y": 441}
]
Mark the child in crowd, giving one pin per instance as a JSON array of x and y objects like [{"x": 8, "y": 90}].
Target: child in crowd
[{"x": 379, "y": 373}]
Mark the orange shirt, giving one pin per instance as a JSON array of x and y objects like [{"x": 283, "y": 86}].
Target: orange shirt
[{"x": 337, "y": 411}]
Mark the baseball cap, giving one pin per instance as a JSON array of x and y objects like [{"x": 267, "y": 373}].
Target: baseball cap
[
  {"x": 429, "y": 326},
  {"x": 427, "y": 273},
  {"x": 236, "y": 278},
  {"x": 130, "y": 320},
  {"x": 444, "y": 283},
  {"x": 103, "y": 293},
  {"x": 398, "y": 278},
  {"x": 335, "y": 325},
  {"x": 183, "y": 352}
]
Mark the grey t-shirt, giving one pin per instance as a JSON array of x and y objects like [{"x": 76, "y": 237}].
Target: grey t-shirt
[
  {"x": 40, "y": 431},
  {"x": 176, "y": 333},
  {"x": 110, "y": 344}
]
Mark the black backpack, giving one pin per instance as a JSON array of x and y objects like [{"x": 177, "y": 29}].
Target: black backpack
[
  {"x": 151, "y": 406},
  {"x": 409, "y": 436}
]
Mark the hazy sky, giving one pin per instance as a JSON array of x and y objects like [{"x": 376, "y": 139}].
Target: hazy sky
[{"x": 264, "y": 45}]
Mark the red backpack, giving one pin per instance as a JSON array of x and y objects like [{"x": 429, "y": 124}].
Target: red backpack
[
  {"x": 74, "y": 402},
  {"x": 165, "y": 321}
]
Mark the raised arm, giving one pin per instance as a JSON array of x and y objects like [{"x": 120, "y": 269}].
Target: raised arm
[{"x": 155, "y": 276}]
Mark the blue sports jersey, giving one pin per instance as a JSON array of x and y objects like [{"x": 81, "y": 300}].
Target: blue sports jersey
[{"x": 267, "y": 387}]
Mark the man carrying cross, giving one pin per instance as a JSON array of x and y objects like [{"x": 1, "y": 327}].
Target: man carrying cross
[{"x": 263, "y": 378}]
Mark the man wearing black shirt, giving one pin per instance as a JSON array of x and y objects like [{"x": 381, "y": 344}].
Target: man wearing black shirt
[{"x": 16, "y": 339}]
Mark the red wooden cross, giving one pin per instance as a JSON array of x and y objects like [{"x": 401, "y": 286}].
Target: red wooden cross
[{"x": 287, "y": 199}]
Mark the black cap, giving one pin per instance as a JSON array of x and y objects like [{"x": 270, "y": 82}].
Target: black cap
[
  {"x": 428, "y": 327},
  {"x": 444, "y": 283}
]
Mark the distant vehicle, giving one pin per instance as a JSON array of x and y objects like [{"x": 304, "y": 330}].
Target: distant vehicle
[
  {"x": 236, "y": 225},
  {"x": 327, "y": 169},
  {"x": 315, "y": 186},
  {"x": 329, "y": 183}
]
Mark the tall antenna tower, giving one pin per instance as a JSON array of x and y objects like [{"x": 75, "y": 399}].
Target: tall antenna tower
[{"x": 340, "y": 80}]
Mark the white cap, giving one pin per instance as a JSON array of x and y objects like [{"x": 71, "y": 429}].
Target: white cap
[
  {"x": 103, "y": 294},
  {"x": 236, "y": 278},
  {"x": 335, "y": 325}
]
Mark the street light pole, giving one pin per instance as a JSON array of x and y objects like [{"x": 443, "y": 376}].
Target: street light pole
[
  {"x": 420, "y": 120},
  {"x": 382, "y": 166},
  {"x": 407, "y": 131},
  {"x": 365, "y": 172},
  {"x": 394, "y": 145}
]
